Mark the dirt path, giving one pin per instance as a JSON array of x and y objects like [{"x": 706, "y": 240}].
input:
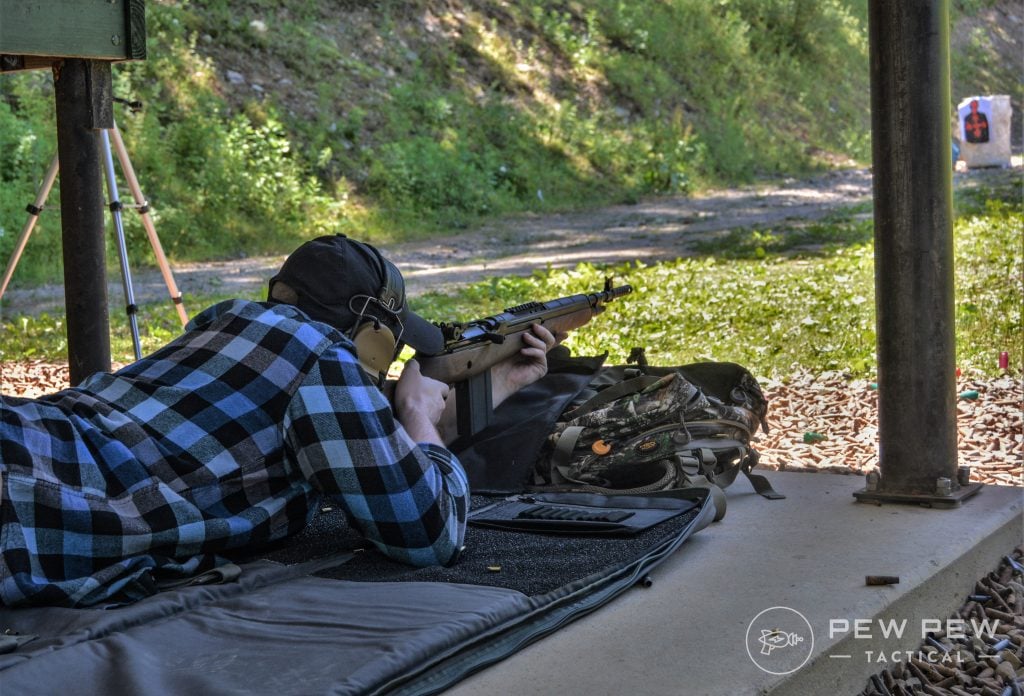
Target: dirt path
[
  {"x": 654, "y": 230},
  {"x": 659, "y": 229}
]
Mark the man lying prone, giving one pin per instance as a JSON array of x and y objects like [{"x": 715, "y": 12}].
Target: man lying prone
[{"x": 232, "y": 435}]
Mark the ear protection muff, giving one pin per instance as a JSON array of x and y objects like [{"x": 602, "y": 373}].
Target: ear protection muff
[
  {"x": 376, "y": 347},
  {"x": 375, "y": 341}
]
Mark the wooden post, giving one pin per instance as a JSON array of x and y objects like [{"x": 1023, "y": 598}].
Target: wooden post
[
  {"x": 78, "y": 39},
  {"x": 84, "y": 103},
  {"x": 32, "y": 32}
]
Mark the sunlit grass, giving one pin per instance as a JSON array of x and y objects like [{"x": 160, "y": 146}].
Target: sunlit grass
[{"x": 774, "y": 313}]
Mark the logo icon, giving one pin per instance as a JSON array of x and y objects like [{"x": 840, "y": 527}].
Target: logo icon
[
  {"x": 780, "y": 640},
  {"x": 774, "y": 638}
]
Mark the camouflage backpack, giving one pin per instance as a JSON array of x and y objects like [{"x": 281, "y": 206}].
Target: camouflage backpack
[{"x": 648, "y": 429}]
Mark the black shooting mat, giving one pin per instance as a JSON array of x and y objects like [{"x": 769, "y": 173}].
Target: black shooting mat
[{"x": 528, "y": 562}]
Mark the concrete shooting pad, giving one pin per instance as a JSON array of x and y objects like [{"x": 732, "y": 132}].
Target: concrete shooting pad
[{"x": 798, "y": 564}]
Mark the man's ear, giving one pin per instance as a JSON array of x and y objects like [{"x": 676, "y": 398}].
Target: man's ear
[{"x": 282, "y": 292}]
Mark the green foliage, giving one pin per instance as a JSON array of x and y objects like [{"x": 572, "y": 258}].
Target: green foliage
[
  {"x": 220, "y": 184},
  {"x": 422, "y": 172},
  {"x": 975, "y": 198},
  {"x": 844, "y": 228},
  {"x": 990, "y": 285},
  {"x": 392, "y": 120},
  {"x": 34, "y": 337},
  {"x": 27, "y": 144}
]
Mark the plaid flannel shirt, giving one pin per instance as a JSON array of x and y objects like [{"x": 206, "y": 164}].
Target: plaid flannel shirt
[{"x": 225, "y": 438}]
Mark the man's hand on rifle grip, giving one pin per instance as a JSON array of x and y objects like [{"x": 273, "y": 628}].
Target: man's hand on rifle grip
[
  {"x": 509, "y": 375},
  {"x": 419, "y": 403}
]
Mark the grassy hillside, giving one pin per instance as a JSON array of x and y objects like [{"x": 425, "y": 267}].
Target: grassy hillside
[{"x": 267, "y": 122}]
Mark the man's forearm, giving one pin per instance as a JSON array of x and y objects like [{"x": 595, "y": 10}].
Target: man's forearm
[{"x": 420, "y": 429}]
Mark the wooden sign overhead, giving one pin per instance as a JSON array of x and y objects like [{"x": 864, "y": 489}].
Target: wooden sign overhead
[{"x": 33, "y": 33}]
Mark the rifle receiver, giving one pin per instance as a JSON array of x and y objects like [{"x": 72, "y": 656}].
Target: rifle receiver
[{"x": 471, "y": 348}]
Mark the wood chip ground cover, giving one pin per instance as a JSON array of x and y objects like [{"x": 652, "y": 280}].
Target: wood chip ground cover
[{"x": 843, "y": 412}]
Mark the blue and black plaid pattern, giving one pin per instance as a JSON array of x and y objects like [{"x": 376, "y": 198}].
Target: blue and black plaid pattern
[{"x": 225, "y": 438}]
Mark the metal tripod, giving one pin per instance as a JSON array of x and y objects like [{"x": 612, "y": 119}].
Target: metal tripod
[{"x": 141, "y": 205}]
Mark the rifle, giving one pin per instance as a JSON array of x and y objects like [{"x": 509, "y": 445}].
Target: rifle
[{"x": 472, "y": 348}]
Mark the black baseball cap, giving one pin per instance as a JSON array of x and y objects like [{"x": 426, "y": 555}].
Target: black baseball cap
[{"x": 337, "y": 278}]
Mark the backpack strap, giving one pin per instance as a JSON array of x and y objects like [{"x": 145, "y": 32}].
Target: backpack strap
[
  {"x": 715, "y": 491},
  {"x": 609, "y": 394},
  {"x": 563, "y": 451},
  {"x": 759, "y": 482},
  {"x": 762, "y": 486}
]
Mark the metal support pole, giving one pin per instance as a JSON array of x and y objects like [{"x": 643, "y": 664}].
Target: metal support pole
[
  {"x": 911, "y": 153},
  {"x": 79, "y": 90},
  {"x": 147, "y": 223},
  {"x": 131, "y": 309}
]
